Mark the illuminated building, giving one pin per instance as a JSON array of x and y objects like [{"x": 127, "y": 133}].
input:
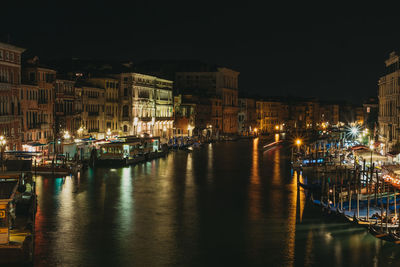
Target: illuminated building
[
  {"x": 268, "y": 115},
  {"x": 212, "y": 82},
  {"x": 10, "y": 107},
  {"x": 147, "y": 105},
  {"x": 111, "y": 108},
  {"x": 35, "y": 74},
  {"x": 92, "y": 115},
  {"x": 64, "y": 105},
  {"x": 247, "y": 116},
  {"x": 389, "y": 101}
]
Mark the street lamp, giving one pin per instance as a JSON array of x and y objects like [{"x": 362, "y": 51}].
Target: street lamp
[
  {"x": 108, "y": 133},
  {"x": 298, "y": 143}
]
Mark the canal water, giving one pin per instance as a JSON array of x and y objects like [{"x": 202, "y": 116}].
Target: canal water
[{"x": 225, "y": 204}]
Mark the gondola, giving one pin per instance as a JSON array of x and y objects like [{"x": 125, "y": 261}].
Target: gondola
[
  {"x": 362, "y": 222},
  {"x": 395, "y": 235},
  {"x": 309, "y": 186},
  {"x": 373, "y": 229}
]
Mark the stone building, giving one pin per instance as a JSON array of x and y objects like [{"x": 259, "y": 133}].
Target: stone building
[
  {"x": 302, "y": 114},
  {"x": 146, "y": 105},
  {"x": 220, "y": 82},
  {"x": 64, "y": 106},
  {"x": 112, "y": 109},
  {"x": 31, "y": 128},
  {"x": 389, "y": 101},
  {"x": 247, "y": 116},
  {"x": 92, "y": 115},
  {"x": 44, "y": 79},
  {"x": 10, "y": 107},
  {"x": 371, "y": 109},
  {"x": 268, "y": 116},
  {"x": 196, "y": 116},
  {"x": 328, "y": 113}
]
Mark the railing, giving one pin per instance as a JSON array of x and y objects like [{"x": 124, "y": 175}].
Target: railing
[
  {"x": 93, "y": 113},
  {"x": 143, "y": 84},
  {"x": 93, "y": 130},
  {"x": 7, "y": 118}
]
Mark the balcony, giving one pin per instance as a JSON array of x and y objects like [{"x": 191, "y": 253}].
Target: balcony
[
  {"x": 164, "y": 118},
  {"x": 144, "y": 84},
  {"x": 5, "y": 86},
  {"x": 7, "y": 118}
]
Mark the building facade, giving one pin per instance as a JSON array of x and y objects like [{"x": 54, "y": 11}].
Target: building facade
[
  {"x": 44, "y": 79},
  {"x": 220, "y": 82},
  {"x": 10, "y": 106},
  {"x": 112, "y": 109},
  {"x": 389, "y": 100},
  {"x": 147, "y": 105},
  {"x": 328, "y": 113},
  {"x": 64, "y": 106},
  {"x": 247, "y": 116},
  {"x": 92, "y": 115},
  {"x": 268, "y": 116}
]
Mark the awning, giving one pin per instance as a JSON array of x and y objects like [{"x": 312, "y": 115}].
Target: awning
[
  {"x": 88, "y": 139},
  {"x": 36, "y": 144},
  {"x": 358, "y": 147}
]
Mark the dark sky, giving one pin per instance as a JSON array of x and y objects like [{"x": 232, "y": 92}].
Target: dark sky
[{"x": 332, "y": 52}]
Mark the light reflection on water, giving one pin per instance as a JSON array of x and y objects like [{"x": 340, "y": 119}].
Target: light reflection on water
[{"x": 223, "y": 204}]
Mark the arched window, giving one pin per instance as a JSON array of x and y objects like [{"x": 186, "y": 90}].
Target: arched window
[{"x": 125, "y": 128}]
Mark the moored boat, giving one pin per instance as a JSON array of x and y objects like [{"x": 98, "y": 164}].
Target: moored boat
[{"x": 17, "y": 218}]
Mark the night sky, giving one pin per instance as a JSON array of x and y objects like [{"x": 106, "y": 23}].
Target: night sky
[{"x": 331, "y": 52}]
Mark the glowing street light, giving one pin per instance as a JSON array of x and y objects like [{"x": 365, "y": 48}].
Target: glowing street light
[
  {"x": 2, "y": 141},
  {"x": 276, "y": 127},
  {"x": 371, "y": 147},
  {"x": 298, "y": 143},
  {"x": 80, "y": 131},
  {"x": 354, "y": 131},
  {"x": 66, "y": 135}
]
